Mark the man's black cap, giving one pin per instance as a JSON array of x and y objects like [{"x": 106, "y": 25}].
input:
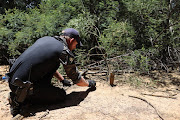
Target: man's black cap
[{"x": 72, "y": 33}]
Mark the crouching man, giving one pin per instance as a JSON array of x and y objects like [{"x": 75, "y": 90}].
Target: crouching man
[{"x": 31, "y": 74}]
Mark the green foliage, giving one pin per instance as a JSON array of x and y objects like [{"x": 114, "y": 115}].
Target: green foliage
[
  {"x": 81, "y": 57},
  {"x": 142, "y": 61},
  {"x": 117, "y": 26},
  {"x": 135, "y": 81},
  {"x": 85, "y": 24},
  {"x": 20, "y": 27},
  {"x": 117, "y": 38},
  {"x": 138, "y": 60},
  {"x": 107, "y": 11},
  {"x": 19, "y": 4}
]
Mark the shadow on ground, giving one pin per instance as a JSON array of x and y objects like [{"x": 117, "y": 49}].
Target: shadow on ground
[{"x": 72, "y": 99}]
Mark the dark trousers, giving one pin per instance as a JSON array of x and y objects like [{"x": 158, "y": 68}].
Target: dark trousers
[{"x": 42, "y": 94}]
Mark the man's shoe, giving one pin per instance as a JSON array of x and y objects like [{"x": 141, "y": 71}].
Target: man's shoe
[{"x": 14, "y": 110}]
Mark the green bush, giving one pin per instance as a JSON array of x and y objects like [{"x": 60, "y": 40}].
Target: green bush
[{"x": 117, "y": 38}]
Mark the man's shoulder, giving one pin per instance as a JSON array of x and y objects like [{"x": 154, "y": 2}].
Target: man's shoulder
[
  {"x": 45, "y": 39},
  {"x": 57, "y": 37},
  {"x": 48, "y": 39}
]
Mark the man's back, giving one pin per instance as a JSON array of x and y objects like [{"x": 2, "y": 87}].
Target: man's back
[{"x": 38, "y": 60}]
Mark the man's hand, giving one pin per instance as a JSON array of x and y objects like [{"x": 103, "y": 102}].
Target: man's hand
[
  {"x": 92, "y": 83},
  {"x": 66, "y": 82}
]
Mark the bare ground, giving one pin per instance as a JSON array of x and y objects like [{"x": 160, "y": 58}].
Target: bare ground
[{"x": 121, "y": 102}]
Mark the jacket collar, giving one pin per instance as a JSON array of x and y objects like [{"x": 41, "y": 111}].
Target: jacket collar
[{"x": 64, "y": 40}]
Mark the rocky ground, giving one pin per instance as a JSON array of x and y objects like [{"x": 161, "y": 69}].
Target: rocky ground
[{"x": 121, "y": 102}]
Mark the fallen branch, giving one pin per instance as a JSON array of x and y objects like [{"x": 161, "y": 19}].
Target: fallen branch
[
  {"x": 97, "y": 72},
  {"x": 149, "y": 104},
  {"x": 18, "y": 117},
  {"x": 3, "y": 90},
  {"x": 159, "y": 96},
  {"x": 44, "y": 115},
  {"x": 108, "y": 59},
  {"x": 99, "y": 75}
]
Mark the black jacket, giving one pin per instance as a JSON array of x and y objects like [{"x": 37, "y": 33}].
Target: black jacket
[{"x": 40, "y": 61}]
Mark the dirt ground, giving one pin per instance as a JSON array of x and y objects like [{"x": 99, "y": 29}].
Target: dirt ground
[{"x": 121, "y": 102}]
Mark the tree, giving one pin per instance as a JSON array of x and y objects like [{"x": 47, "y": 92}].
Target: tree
[
  {"x": 118, "y": 38},
  {"x": 19, "y": 4},
  {"x": 19, "y": 29}
]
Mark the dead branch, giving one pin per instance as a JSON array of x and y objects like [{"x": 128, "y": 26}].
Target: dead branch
[
  {"x": 3, "y": 90},
  {"x": 119, "y": 64},
  {"x": 99, "y": 75},
  {"x": 101, "y": 61},
  {"x": 149, "y": 104},
  {"x": 96, "y": 72},
  {"x": 18, "y": 117},
  {"x": 44, "y": 115},
  {"x": 159, "y": 96},
  {"x": 96, "y": 54}
]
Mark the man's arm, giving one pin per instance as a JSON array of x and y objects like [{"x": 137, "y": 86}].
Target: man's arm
[
  {"x": 88, "y": 83},
  {"x": 58, "y": 76},
  {"x": 82, "y": 82},
  {"x": 62, "y": 79},
  {"x": 73, "y": 73}
]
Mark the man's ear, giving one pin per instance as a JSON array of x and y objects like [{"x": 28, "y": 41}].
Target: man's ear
[{"x": 71, "y": 40}]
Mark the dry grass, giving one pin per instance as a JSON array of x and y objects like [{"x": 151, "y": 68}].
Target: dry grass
[{"x": 3, "y": 70}]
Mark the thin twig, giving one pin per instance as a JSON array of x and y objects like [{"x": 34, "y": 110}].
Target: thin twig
[{"x": 149, "y": 104}]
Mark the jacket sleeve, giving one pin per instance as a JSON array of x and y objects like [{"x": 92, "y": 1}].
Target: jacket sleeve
[
  {"x": 73, "y": 73},
  {"x": 67, "y": 59}
]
